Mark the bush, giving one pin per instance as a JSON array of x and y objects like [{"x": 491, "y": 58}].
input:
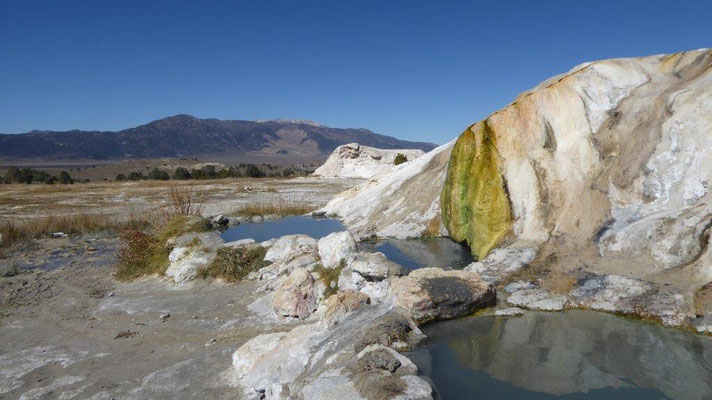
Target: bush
[
  {"x": 157, "y": 174},
  {"x": 27, "y": 175},
  {"x": 181, "y": 174},
  {"x": 234, "y": 264},
  {"x": 400, "y": 159},
  {"x": 144, "y": 253},
  {"x": 253, "y": 172},
  {"x": 136, "y": 176},
  {"x": 65, "y": 179},
  {"x": 330, "y": 277},
  {"x": 140, "y": 254},
  {"x": 120, "y": 178}
]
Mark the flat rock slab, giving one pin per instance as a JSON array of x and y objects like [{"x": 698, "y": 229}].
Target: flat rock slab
[{"x": 430, "y": 294}]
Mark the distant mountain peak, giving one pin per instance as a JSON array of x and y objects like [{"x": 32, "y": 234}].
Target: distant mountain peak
[
  {"x": 184, "y": 135},
  {"x": 292, "y": 121}
]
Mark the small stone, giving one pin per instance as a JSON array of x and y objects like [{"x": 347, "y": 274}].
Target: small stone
[
  {"x": 57, "y": 235},
  {"x": 509, "y": 312},
  {"x": 164, "y": 317},
  {"x": 210, "y": 342},
  {"x": 219, "y": 220},
  {"x": 111, "y": 294}
]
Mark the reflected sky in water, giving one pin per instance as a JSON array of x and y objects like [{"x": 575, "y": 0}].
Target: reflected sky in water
[
  {"x": 565, "y": 355},
  {"x": 261, "y": 231},
  {"x": 426, "y": 252},
  {"x": 412, "y": 254}
]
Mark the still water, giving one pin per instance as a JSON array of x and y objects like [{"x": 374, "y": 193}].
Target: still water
[
  {"x": 563, "y": 355},
  {"x": 412, "y": 254}
]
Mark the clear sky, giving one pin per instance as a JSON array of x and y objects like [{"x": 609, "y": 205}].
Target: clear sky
[{"x": 417, "y": 70}]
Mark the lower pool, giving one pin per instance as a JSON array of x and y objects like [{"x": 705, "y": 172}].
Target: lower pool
[{"x": 563, "y": 355}]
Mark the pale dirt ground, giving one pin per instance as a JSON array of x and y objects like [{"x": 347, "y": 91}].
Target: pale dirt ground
[
  {"x": 60, "y": 316},
  {"x": 221, "y": 196}
]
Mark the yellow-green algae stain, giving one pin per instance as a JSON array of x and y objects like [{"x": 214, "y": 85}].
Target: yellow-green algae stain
[{"x": 474, "y": 201}]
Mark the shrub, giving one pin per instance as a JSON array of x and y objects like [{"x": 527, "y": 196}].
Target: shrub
[
  {"x": 157, "y": 174},
  {"x": 135, "y": 176},
  {"x": 144, "y": 253},
  {"x": 65, "y": 178},
  {"x": 330, "y": 277},
  {"x": 120, "y": 178},
  {"x": 181, "y": 174},
  {"x": 400, "y": 159},
  {"x": 253, "y": 172},
  {"x": 184, "y": 201},
  {"x": 234, "y": 264},
  {"x": 140, "y": 254}
]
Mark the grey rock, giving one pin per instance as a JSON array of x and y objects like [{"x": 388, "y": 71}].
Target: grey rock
[{"x": 429, "y": 294}]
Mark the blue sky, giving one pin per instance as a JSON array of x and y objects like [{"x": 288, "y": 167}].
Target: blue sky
[{"x": 418, "y": 70}]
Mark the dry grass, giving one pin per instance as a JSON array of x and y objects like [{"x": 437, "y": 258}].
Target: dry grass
[
  {"x": 330, "y": 277},
  {"x": 15, "y": 231},
  {"x": 277, "y": 206},
  {"x": 144, "y": 253},
  {"x": 233, "y": 264}
]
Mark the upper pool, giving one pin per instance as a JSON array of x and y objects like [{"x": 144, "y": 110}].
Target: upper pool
[
  {"x": 563, "y": 355},
  {"x": 261, "y": 231},
  {"x": 412, "y": 254}
]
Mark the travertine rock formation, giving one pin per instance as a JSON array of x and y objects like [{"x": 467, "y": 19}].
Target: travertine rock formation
[
  {"x": 404, "y": 203},
  {"x": 356, "y": 161},
  {"x": 603, "y": 170}
]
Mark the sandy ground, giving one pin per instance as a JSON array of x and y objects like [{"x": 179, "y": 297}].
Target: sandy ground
[
  {"x": 115, "y": 198},
  {"x": 68, "y": 330}
]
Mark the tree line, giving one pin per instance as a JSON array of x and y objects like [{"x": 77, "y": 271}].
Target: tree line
[
  {"x": 206, "y": 172},
  {"x": 28, "y": 176}
]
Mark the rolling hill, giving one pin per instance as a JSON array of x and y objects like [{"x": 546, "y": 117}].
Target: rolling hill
[{"x": 185, "y": 135}]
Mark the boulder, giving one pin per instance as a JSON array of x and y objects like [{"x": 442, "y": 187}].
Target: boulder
[
  {"x": 704, "y": 324},
  {"x": 432, "y": 293},
  {"x": 312, "y": 360},
  {"x": 290, "y": 246},
  {"x": 298, "y": 296},
  {"x": 239, "y": 243},
  {"x": 336, "y": 247},
  {"x": 286, "y": 266},
  {"x": 501, "y": 263},
  {"x": 368, "y": 273},
  {"x": 376, "y": 266},
  {"x": 244, "y": 358},
  {"x": 191, "y": 253},
  {"x": 537, "y": 299},
  {"x": 339, "y": 305},
  {"x": 219, "y": 220}
]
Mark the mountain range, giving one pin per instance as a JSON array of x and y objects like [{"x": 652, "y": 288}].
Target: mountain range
[{"x": 184, "y": 135}]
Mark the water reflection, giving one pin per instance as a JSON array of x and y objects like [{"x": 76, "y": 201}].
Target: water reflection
[
  {"x": 426, "y": 252},
  {"x": 261, "y": 231},
  {"x": 571, "y": 355}
]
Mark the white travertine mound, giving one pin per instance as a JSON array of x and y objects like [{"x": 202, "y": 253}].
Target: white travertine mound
[
  {"x": 355, "y": 161},
  {"x": 607, "y": 169},
  {"x": 404, "y": 203}
]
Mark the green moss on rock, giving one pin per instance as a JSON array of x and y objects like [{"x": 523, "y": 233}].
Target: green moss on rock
[{"x": 474, "y": 200}]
